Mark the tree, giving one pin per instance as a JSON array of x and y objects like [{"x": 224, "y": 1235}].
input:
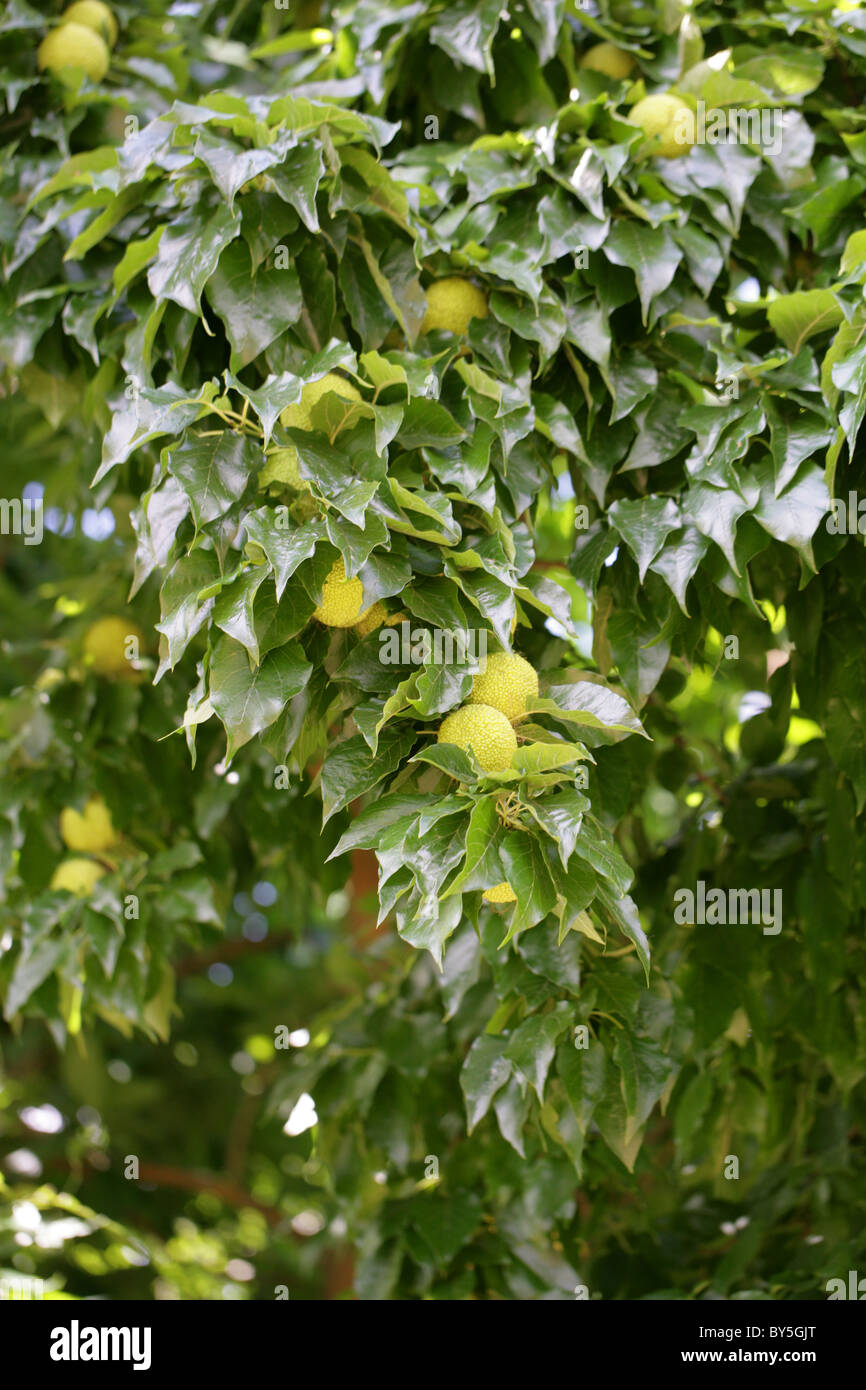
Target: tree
[{"x": 394, "y": 317}]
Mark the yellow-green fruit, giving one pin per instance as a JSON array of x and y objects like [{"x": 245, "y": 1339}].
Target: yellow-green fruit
[
  {"x": 667, "y": 123},
  {"x": 373, "y": 618},
  {"x": 74, "y": 46},
  {"x": 105, "y": 646},
  {"x": 507, "y": 682},
  {"x": 90, "y": 829},
  {"x": 483, "y": 729},
  {"x": 93, "y": 15},
  {"x": 451, "y": 303},
  {"x": 607, "y": 58},
  {"x": 341, "y": 598},
  {"x": 77, "y": 876},
  {"x": 282, "y": 467},
  {"x": 299, "y": 415},
  {"x": 502, "y": 893}
]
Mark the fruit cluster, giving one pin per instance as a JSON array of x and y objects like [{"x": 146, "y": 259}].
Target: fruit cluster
[
  {"x": 90, "y": 831},
  {"x": 484, "y": 725},
  {"x": 668, "y": 123},
  {"x": 452, "y": 303},
  {"x": 85, "y": 34}
]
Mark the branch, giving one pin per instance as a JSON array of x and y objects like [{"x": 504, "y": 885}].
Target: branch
[
  {"x": 230, "y": 950},
  {"x": 164, "y": 1175}
]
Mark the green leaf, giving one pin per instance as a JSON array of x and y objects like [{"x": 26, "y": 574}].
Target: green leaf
[
  {"x": 797, "y": 317},
  {"x": 286, "y": 548},
  {"x": 644, "y": 525},
  {"x": 590, "y": 706},
  {"x": 532, "y": 1045},
  {"x": 795, "y": 515},
  {"x": 645, "y": 1071},
  {"x": 297, "y": 179},
  {"x": 213, "y": 471},
  {"x": 447, "y": 1222},
  {"x": 624, "y": 912},
  {"x": 39, "y": 957},
  {"x": 248, "y": 701},
  {"x": 466, "y": 31},
  {"x": 255, "y": 308},
  {"x": 349, "y": 771},
  {"x": 484, "y": 1072},
  {"x": 650, "y": 252},
  {"x": 189, "y": 252}
]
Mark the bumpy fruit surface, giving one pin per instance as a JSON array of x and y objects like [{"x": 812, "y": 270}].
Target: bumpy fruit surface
[
  {"x": 373, "y": 618},
  {"x": 74, "y": 46},
  {"x": 667, "y": 123},
  {"x": 502, "y": 893},
  {"x": 77, "y": 876},
  {"x": 282, "y": 467},
  {"x": 451, "y": 303},
  {"x": 299, "y": 415},
  {"x": 105, "y": 647},
  {"x": 507, "y": 683},
  {"x": 90, "y": 829},
  {"x": 486, "y": 731},
  {"x": 607, "y": 58},
  {"x": 93, "y": 15},
  {"x": 341, "y": 598}
]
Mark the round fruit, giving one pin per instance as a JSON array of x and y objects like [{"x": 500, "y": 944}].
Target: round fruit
[
  {"x": 507, "y": 683},
  {"x": 667, "y": 123},
  {"x": 74, "y": 46},
  {"x": 607, "y": 58},
  {"x": 341, "y": 598},
  {"x": 299, "y": 415},
  {"x": 93, "y": 15},
  {"x": 483, "y": 729},
  {"x": 90, "y": 829},
  {"x": 105, "y": 646},
  {"x": 282, "y": 467},
  {"x": 672, "y": 683},
  {"x": 77, "y": 876},
  {"x": 451, "y": 303},
  {"x": 502, "y": 893},
  {"x": 373, "y": 618},
  {"x": 761, "y": 740}
]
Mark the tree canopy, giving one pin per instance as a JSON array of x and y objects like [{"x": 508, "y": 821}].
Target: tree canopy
[{"x": 267, "y": 1037}]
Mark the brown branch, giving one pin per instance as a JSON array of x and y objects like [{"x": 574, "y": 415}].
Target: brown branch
[
  {"x": 364, "y": 887},
  {"x": 164, "y": 1175},
  {"x": 230, "y": 950},
  {"x": 240, "y": 1132}
]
